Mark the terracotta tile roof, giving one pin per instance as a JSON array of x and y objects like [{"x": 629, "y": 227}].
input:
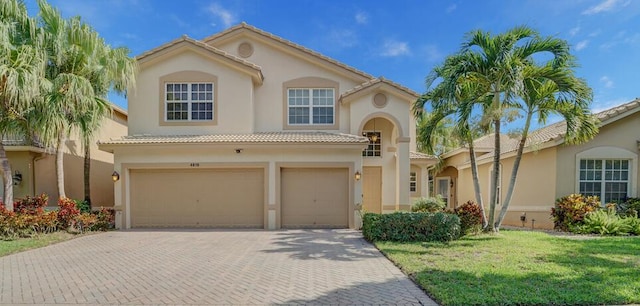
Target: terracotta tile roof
[
  {"x": 375, "y": 81},
  {"x": 289, "y": 43},
  {"x": 555, "y": 131},
  {"x": 265, "y": 137},
  {"x": 420, "y": 155},
  {"x": 203, "y": 45}
]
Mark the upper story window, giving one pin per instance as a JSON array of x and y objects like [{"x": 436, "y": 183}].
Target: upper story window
[
  {"x": 188, "y": 98},
  {"x": 311, "y": 106},
  {"x": 189, "y": 101},
  {"x": 606, "y": 178},
  {"x": 310, "y": 103},
  {"x": 375, "y": 144}
]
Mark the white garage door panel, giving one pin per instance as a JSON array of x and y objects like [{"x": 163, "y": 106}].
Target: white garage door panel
[
  {"x": 197, "y": 198},
  {"x": 315, "y": 197}
]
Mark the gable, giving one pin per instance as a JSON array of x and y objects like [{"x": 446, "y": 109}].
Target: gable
[
  {"x": 186, "y": 44},
  {"x": 237, "y": 40}
]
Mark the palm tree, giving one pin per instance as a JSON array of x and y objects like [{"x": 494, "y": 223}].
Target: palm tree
[
  {"x": 552, "y": 90},
  {"x": 495, "y": 65},
  {"x": 22, "y": 64},
  {"x": 82, "y": 68},
  {"x": 450, "y": 102},
  {"x": 114, "y": 70}
]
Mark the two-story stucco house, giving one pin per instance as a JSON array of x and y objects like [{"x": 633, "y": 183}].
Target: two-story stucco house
[{"x": 247, "y": 129}]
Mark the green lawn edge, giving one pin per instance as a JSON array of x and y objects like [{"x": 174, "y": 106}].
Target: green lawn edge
[
  {"x": 8, "y": 247},
  {"x": 523, "y": 268}
]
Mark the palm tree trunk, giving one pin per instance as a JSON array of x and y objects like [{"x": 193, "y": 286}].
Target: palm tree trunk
[
  {"x": 495, "y": 177},
  {"x": 8, "y": 178},
  {"x": 87, "y": 173},
  {"x": 476, "y": 182},
  {"x": 60, "y": 164},
  {"x": 514, "y": 172}
]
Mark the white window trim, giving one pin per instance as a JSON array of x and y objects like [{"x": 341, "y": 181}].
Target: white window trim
[
  {"x": 310, "y": 106},
  {"x": 448, "y": 186},
  {"x": 413, "y": 176},
  {"x": 607, "y": 152},
  {"x": 189, "y": 102}
]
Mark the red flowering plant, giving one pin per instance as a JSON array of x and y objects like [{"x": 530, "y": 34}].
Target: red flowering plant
[{"x": 67, "y": 213}]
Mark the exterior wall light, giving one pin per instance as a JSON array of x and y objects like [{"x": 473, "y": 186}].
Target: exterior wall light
[
  {"x": 115, "y": 176},
  {"x": 357, "y": 176},
  {"x": 17, "y": 177},
  {"x": 239, "y": 150}
]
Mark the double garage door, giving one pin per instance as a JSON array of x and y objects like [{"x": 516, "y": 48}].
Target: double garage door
[{"x": 236, "y": 197}]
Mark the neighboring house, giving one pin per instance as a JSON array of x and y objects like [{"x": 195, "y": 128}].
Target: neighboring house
[
  {"x": 606, "y": 166},
  {"x": 34, "y": 166},
  {"x": 247, "y": 129}
]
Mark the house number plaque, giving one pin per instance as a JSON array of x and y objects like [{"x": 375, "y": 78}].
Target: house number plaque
[{"x": 194, "y": 164}]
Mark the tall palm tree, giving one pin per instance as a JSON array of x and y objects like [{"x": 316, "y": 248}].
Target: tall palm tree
[
  {"x": 22, "y": 64},
  {"x": 454, "y": 101},
  {"x": 495, "y": 65},
  {"x": 552, "y": 90},
  {"x": 113, "y": 70},
  {"x": 83, "y": 68}
]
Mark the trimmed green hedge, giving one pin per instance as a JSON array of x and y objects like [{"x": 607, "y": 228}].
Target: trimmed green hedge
[{"x": 403, "y": 226}]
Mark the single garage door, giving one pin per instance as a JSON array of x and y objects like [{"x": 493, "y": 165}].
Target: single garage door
[
  {"x": 197, "y": 198},
  {"x": 315, "y": 197}
]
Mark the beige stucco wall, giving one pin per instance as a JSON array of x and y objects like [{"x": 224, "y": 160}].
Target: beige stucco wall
[
  {"x": 234, "y": 102},
  {"x": 279, "y": 67},
  {"x": 22, "y": 162},
  {"x": 618, "y": 139},
  {"x": 269, "y": 157},
  {"x": 101, "y": 166},
  {"x": 534, "y": 193}
]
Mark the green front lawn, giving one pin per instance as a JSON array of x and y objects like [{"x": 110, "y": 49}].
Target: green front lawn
[
  {"x": 23, "y": 244},
  {"x": 524, "y": 268}
]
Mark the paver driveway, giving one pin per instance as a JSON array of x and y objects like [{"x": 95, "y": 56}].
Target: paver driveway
[{"x": 207, "y": 267}]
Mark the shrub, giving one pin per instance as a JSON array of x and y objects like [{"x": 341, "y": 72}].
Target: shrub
[
  {"x": 105, "y": 219},
  {"x": 30, "y": 220},
  {"x": 401, "y": 226},
  {"x": 470, "y": 216},
  {"x": 630, "y": 207},
  {"x": 83, "y": 206},
  {"x": 85, "y": 222},
  {"x": 604, "y": 222},
  {"x": 31, "y": 205},
  {"x": 569, "y": 212},
  {"x": 67, "y": 213},
  {"x": 430, "y": 204},
  {"x": 633, "y": 225}
]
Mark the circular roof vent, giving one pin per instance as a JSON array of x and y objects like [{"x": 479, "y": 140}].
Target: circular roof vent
[
  {"x": 380, "y": 100},
  {"x": 245, "y": 50}
]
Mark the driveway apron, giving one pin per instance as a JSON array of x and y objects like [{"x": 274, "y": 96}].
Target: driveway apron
[{"x": 208, "y": 267}]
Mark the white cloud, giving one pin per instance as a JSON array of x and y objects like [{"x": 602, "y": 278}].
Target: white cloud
[
  {"x": 606, "y": 81},
  {"x": 342, "y": 38},
  {"x": 362, "y": 17},
  {"x": 433, "y": 53},
  {"x": 604, "y": 6},
  {"x": 574, "y": 31},
  {"x": 582, "y": 44},
  {"x": 452, "y": 8},
  {"x": 595, "y": 33},
  {"x": 394, "y": 48},
  {"x": 226, "y": 16}
]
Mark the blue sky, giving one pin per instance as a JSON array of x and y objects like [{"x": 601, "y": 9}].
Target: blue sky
[{"x": 400, "y": 40}]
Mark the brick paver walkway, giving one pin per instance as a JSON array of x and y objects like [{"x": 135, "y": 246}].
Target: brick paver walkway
[{"x": 207, "y": 267}]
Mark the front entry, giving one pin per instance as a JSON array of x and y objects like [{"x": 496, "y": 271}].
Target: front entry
[
  {"x": 442, "y": 188},
  {"x": 372, "y": 189}
]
